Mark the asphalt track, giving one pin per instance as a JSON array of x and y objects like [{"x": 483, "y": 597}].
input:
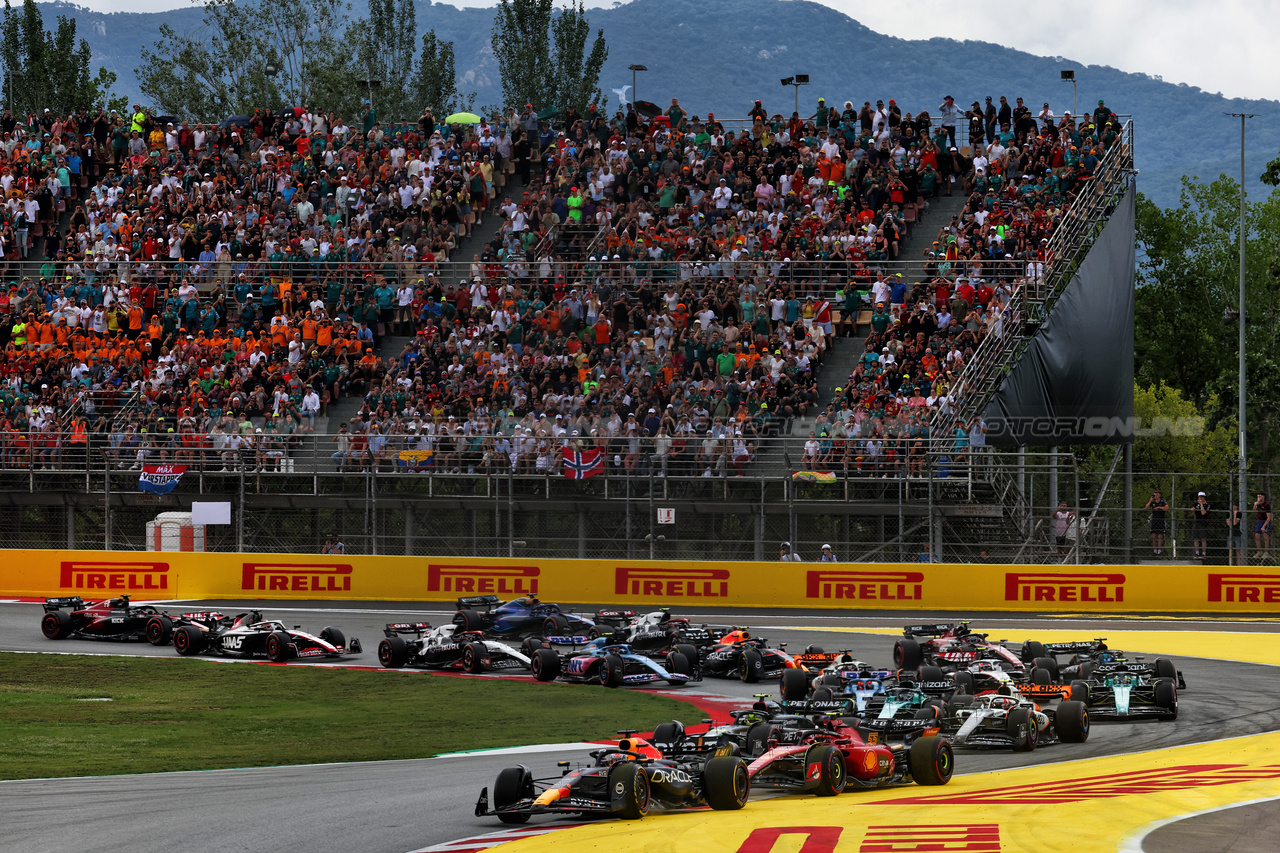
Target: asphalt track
[{"x": 399, "y": 806}]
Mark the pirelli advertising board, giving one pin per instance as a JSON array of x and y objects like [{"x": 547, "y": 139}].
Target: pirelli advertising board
[{"x": 844, "y": 586}]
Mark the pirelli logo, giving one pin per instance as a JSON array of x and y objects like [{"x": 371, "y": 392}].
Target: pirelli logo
[
  {"x": 124, "y": 576},
  {"x": 864, "y": 586},
  {"x": 472, "y": 579},
  {"x": 1063, "y": 586},
  {"x": 297, "y": 577},
  {"x": 1244, "y": 589},
  {"x": 672, "y": 583}
]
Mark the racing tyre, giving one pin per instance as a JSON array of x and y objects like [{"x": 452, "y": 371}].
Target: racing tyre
[
  {"x": 1166, "y": 669},
  {"x": 829, "y": 680},
  {"x": 1048, "y": 663},
  {"x": 813, "y": 650},
  {"x": 679, "y": 667},
  {"x": 545, "y": 664},
  {"x": 56, "y": 625},
  {"x": 931, "y": 760},
  {"x": 1167, "y": 698},
  {"x": 393, "y": 652},
  {"x": 964, "y": 682},
  {"x": 468, "y": 620},
  {"x": 929, "y": 673},
  {"x": 1072, "y": 722},
  {"x": 634, "y": 785},
  {"x": 906, "y": 654},
  {"x": 555, "y": 626},
  {"x": 726, "y": 783},
  {"x": 830, "y": 761},
  {"x": 1080, "y": 691},
  {"x": 277, "y": 647},
  {"x": 668, "y": 734},
  {"x": 823, "y": 694},
  {"x": 473, "y": 657},
  {"x": 1032, "y": 649},
  {"x": 529, "y": 645},
  {"x": 795, "y": 686},
  {"x": 752, "y": 666},
  {"x": 1041, "y": 676},
  {"x": 1018, "y": 720},
  {"x": 159, "y": 630},
  {"x": 188, "y": 640},
  {"x": 758, "y": 737},
  {"x": 928, "y": 712},
  {"x": 611, "y": 669},
  {"x": 334, "y": 637},
  {"x": 689, "y": 651},
  {"x": 514, "y": 784},
  {"x": 1086, "y": 669}
]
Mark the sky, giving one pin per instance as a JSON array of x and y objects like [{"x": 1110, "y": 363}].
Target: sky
[{"x": 1164, "y": 38}]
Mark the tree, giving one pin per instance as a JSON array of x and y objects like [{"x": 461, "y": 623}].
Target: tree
[
  {"x": 436, "y": 83},
  {"x": 49, "y": 70},
  {"x": 384, "y": 51},
  {"x": 543, "y": 57}
]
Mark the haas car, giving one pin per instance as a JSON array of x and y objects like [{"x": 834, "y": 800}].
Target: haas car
[
  {"x": 604, "y": 661},
  {"x": 626, "y": 781},
  {"x": 109, "y": 619},
  {"x": 519, "y": 618},
  {"x": 251, "y": 635},
  {"x": 446, "y": 647},
  {"x": 953, "y": 646}
]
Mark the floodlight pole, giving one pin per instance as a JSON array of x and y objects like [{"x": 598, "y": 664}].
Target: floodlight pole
[
  {"x": 633, "y": 68},
  {"x": 1242, "y": 485}
]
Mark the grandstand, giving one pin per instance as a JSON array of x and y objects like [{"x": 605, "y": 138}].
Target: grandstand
[{"x": 357, "y": 330}]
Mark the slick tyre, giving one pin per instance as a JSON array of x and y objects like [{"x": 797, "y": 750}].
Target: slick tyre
[
  {"x": 1041, "y": 676},
  {"x": 334, "y": 637},
  {"x": 823, "y": 694},
  {"x": 929, "y": 673},
  {"x": 1022, "y": 730},
  {"x": 1071, "y": 721},
  {"x": 531, "y": 644},
  {"x": 513, "y": 785},
  {"x": 277, "y": 647},
  {"x": 188, "y": 640},
  {"x": 631, "y": 783},
  {"x": 56, "y": 625},
  {"x": 1051, "y": 664},
  {"x": 690, "y": 651},
  {"x": 545, "y": 664},
  {"x": 1166, "y": 669},
  {"x": 1167, "y": 698},
  {"x": 473, "y": 658},
  {"x": 813, "y": 650},
  {"x": 611, "y": 671},
  {"x": 1080, "y": 691},
  {"x": 679, "y": 667},
  {"x": 752, "y": 666},
  {"x": 964, "y": 682},
  {"x": 931, "y": 761},
  {"x": 726, "y": 783},
  {"x": 830, "y": 761},
  {"x": 159, "y": 630},
  {"x": 1032, "y": 649},
  {"x": 555, "y": 626},
  {"x": 468, "y": 620},
  {"x": 794, "y": 685},
  {"x": 759, "y": 736},
  {"x": 393, "y": 652},
  {"x": 906, "y": 654}
]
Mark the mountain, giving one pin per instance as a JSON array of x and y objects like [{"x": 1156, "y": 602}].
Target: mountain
[{"x": 719, "y": 57}]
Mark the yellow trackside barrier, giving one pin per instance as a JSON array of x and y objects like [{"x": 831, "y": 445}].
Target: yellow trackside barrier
[{"x": 845, "y": 586}]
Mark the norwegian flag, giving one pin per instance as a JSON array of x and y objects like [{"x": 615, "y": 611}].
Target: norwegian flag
[{"x": 581, "y": 465}]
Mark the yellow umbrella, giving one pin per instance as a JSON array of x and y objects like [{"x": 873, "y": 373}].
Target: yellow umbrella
[{"x": 463, "y": 118}]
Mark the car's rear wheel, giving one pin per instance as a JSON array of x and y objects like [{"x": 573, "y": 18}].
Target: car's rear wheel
[
  {"x": 823, "y": 694},
  {"x": 56, "y": 625},
  {"x": 679, "y": 667},
  {"x": 277, "y": 647},
  {"x": 473, "y": 658},
  {"x": 468, "y": 620},
  {"x": 751, "y": 666},
  {"x": 929, "y": 673},
  {"x": 830, "y": 761},
  {"x": 159, "y": 630},
  {"x": 531, "y": 644},
  {"x": 1041, "y": 676},
  {"x": 555, "y": 626},
  {"x": 1071, "y": 720},
  {"x": 1022, "y": 729},
  {"x": 634, "y": 784},
  {"x": 931, "y": 761},
  {"x": 795, "y": 685},
  {"x": 1080, "y": 691},
  {"x": 514, "y": 784},
  {"x": 1032, "y": 649},
  {"x": 813, "y": 650},
  {"x": 545, "y": 664},
  {"x": 907, "y": 654},
  {"x": 188, "y": 640},
  {"x": 1049, "y": 663},
  {"x": 964, "y": 682},
  {"x": 1167, "y": 698},
  {"x": 726, "y": 783},
  {"x": 393, "y": 652},
  {"x": 334, "y": 637},
  {"x": 611, "y": 671},
  {"x": 927, "y": 712},
  {"x": 758, "y": 737},
  {"x": 1166, "y": 669},
  {"x": 689, "y": 650}
]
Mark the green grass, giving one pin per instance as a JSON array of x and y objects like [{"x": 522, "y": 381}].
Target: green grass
[{"x": 194, "y": 715}]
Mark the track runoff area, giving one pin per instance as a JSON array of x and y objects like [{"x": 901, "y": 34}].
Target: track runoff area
[{"x": 1207, "y": 781}]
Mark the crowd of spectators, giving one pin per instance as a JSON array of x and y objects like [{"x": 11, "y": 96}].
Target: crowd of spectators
[{"x": 243, "y": 278}]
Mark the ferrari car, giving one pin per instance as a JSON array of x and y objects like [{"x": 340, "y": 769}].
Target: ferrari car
[
  {"x": 1006, "y": 719},
  {"x": 626, "y": 781},
  {"x": 109, "y": 619},
  {"x": 519, "y": 618},
  {"x": 252, "y": 635},
  {"x": 740, "y": 655},
  {"x": 1124, "y": 689},
  {"x": 603, "y": 661},
  {"x": 417, "y": 644}
]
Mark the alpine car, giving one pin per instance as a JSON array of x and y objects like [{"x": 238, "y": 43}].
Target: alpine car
[
  {"x": 603, "y": 661},
  {"x": 624, "y": 781},
  {"x": 251, "y": 635},
  {"x": 446, "y": 647},
  {"x": 1124, "y": 689},
  {"x": 1006, "y": 719},
  {"x": 520, "y": 618},
  {"x": 109, "y": 619}
]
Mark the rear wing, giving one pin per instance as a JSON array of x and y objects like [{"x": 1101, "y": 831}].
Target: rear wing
[
  {"x": 203, "y": 616},
  {"x": 840, "y": 707},
  {"x": 1044, "y": 691},
  {"x": 467, "y": 602},
  {"x": 696, "y": 636},
  {"x": 935, "y": 630},
  {"x": 1075, "y": 648},
  {"x": 73, "y": 601},
  {"x": 567, "y": 641},
  {"x": 394, "y": 628},
  {"x": 616, "y": 617},
  {"x": 896, "y": 727},
  {"x": 935, "y": 687}
]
